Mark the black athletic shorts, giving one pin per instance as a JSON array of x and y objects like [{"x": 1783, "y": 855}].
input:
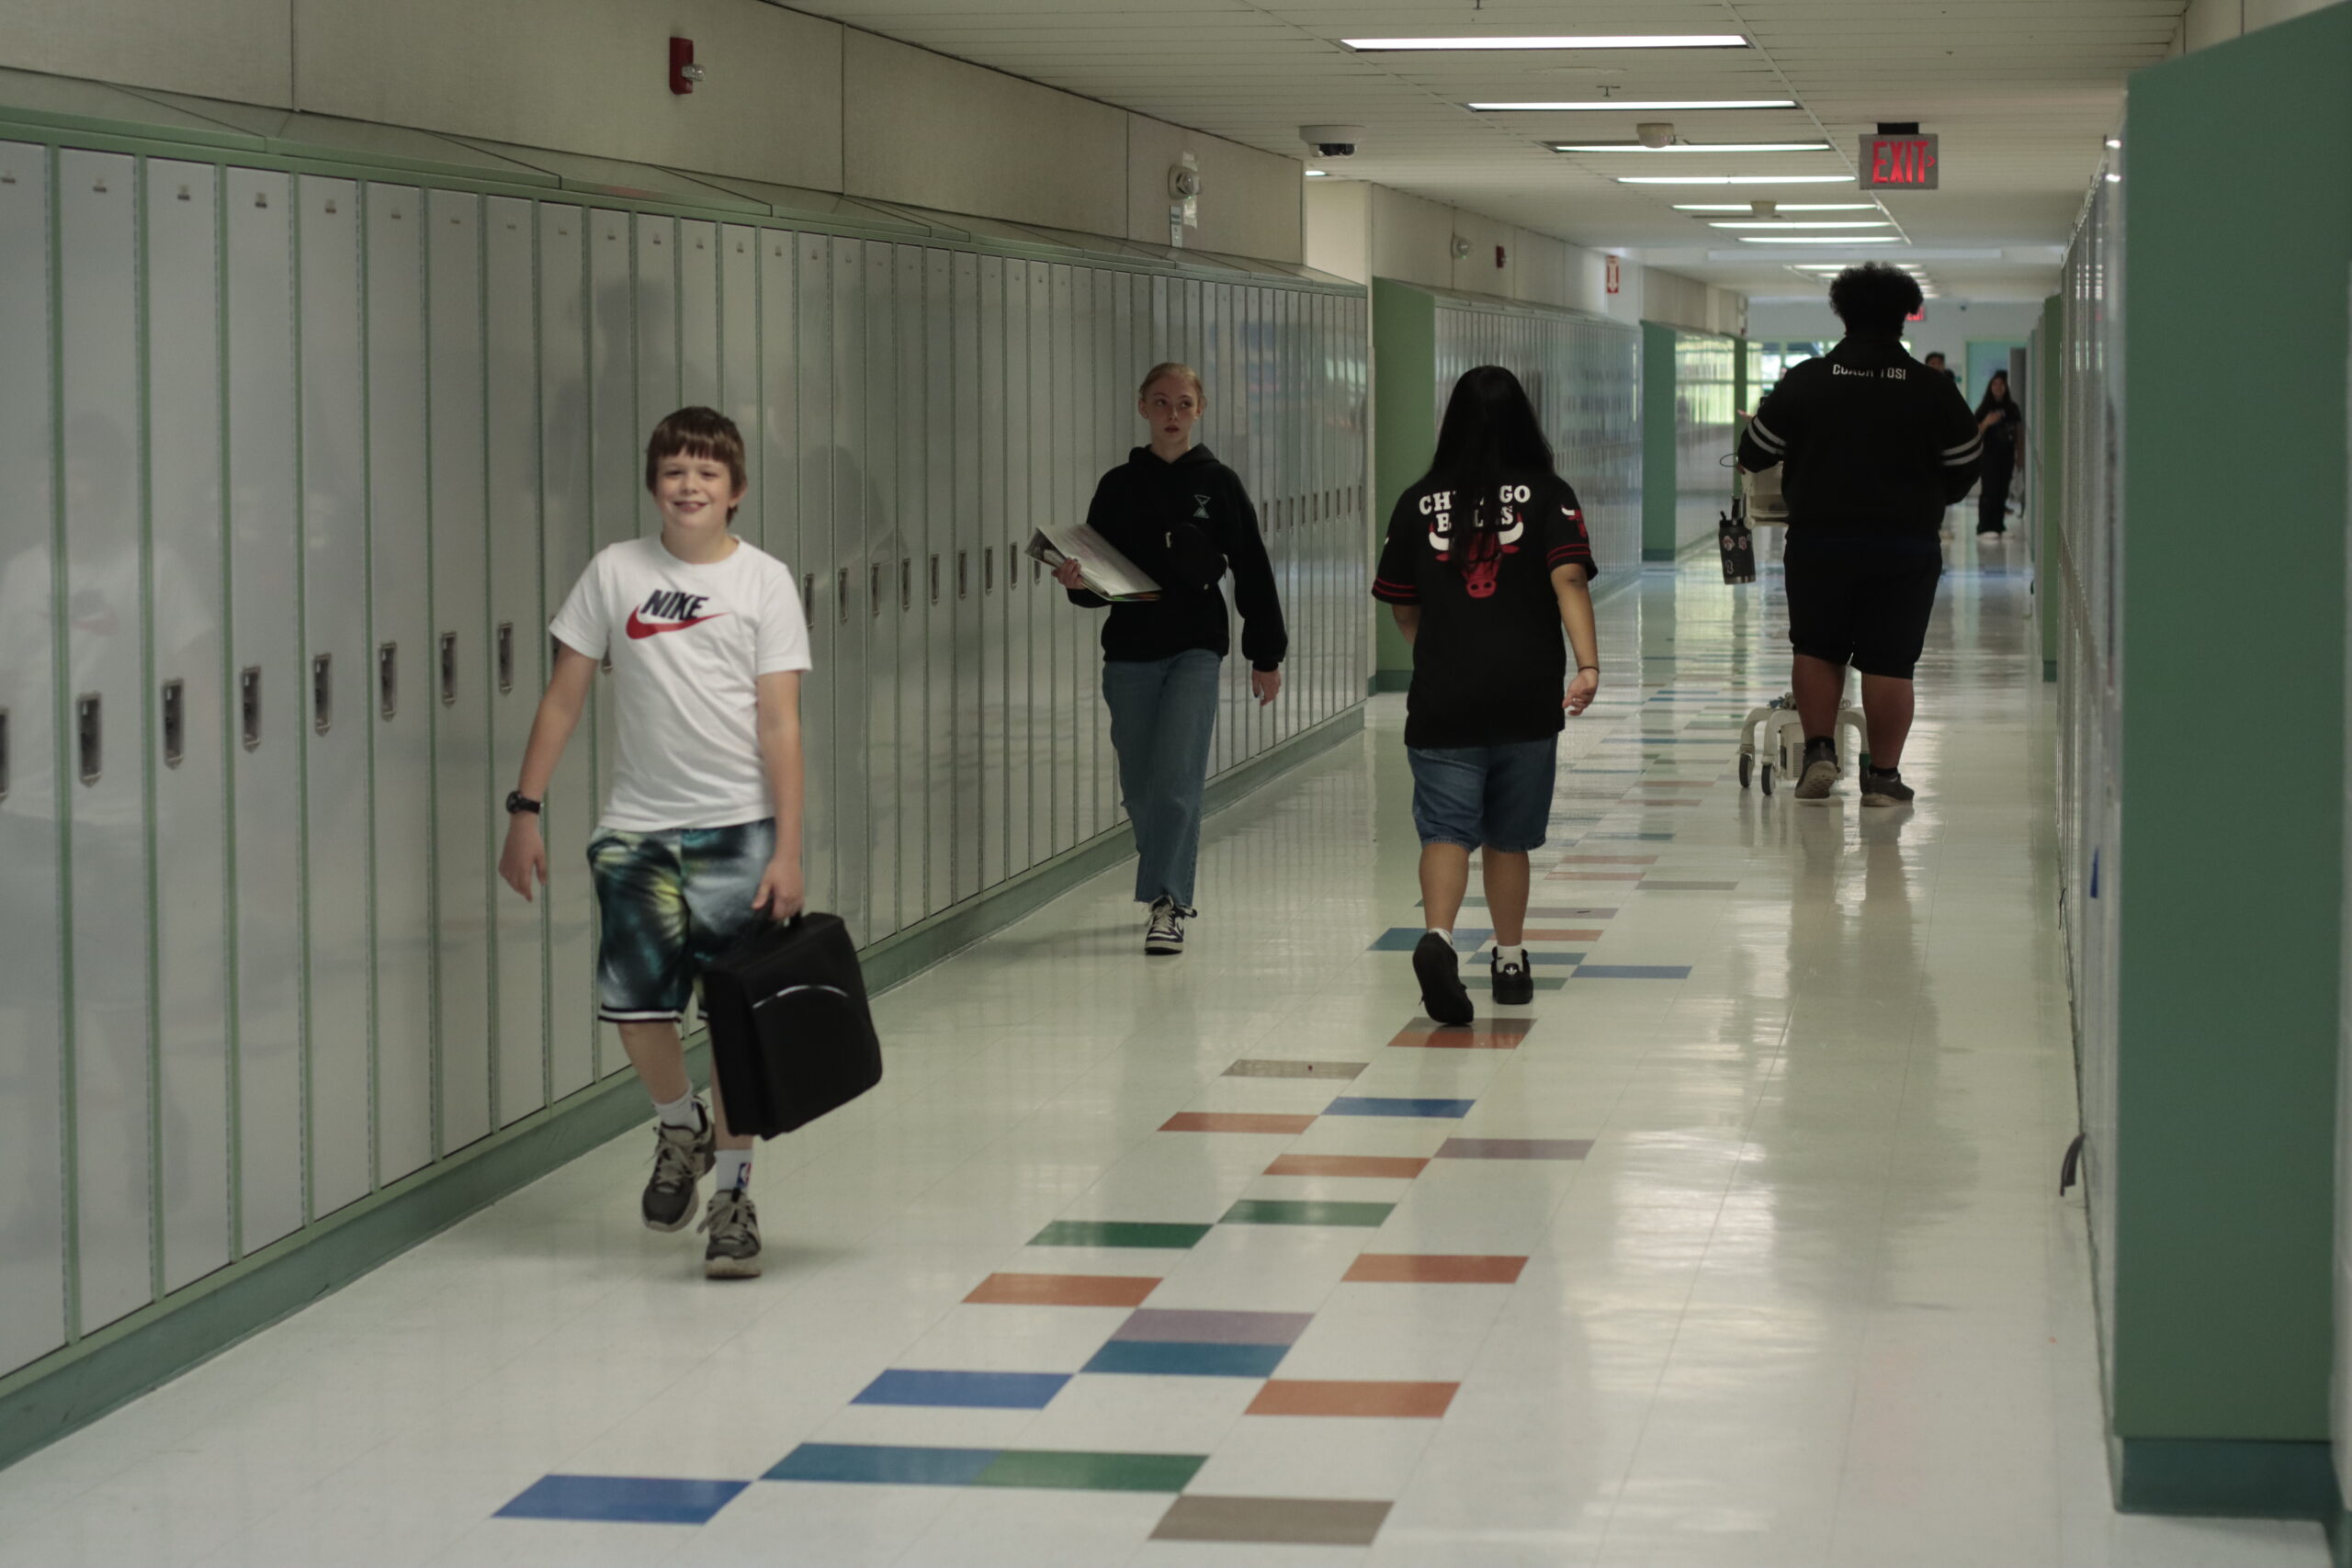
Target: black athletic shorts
[{"x": 1863, "y": 602}]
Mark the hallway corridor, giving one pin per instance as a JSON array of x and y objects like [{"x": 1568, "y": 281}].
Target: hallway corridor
[{"x": 1740, "y": 1248}]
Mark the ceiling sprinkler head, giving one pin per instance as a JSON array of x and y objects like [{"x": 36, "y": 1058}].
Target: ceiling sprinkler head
[{"x": 1656, "y": 133}]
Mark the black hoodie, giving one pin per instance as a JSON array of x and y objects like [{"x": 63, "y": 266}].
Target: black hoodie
[{"x": 1182, "y": 524}]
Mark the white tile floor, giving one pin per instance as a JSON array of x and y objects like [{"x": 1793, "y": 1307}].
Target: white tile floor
[{"x": 1810, "y": 1299}]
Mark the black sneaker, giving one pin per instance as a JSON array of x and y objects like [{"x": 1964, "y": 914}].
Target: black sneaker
[
  {"x": 1163, "y": 937},
  {"x": 1885, "y": 788},
  {"x": 681, "y": 1157},
  {"x": 1444, "y": 996},
  {"x": 734, "y": 1227},
  {"x": 1514, "y": 983},
  {"x": 1819, "y": 779}
]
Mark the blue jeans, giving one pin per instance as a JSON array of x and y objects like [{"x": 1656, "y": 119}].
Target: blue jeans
[
  {"x": 1497, "y": 795},
  {"x": 1163, "y": 712}
]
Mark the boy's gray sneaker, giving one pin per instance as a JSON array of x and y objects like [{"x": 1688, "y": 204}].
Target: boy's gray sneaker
[
  {"x": 681, "y": 1157},
  {"x": 734, "y": 1227},
  {"x": 1819, "y": 779},
  {"x": 1164, "y": 937},
  {"x": 1886, "y": 788}
]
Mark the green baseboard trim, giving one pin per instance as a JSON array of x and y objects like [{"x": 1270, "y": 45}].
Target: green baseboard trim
[
  {"x": 1392, "y": 681},
  {"x": 1657, "y": 553},
  {"x": 2339, "y": 1539},
  {"x": 70, "y": 1388},
  {"x": 2235, "y": 1478}
]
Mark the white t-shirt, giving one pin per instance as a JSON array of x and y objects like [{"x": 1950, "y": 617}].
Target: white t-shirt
[{"x": 688, "y": 645}]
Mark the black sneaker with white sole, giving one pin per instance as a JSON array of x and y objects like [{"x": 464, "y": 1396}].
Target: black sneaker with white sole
[
  {"x": 1884, "y": 786},
  {"x": 1818, "y": 781},
  {"x": 681, "y": 1157},
  {"x": 1439, "y": 968},
  {"x": 1514, "y": 983},
  {"x": 1163, "y": 937}
]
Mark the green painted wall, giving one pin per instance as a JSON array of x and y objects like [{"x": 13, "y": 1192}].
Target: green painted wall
[
  {"x": 1404, "y": 393},
  {"x": 2049, "y": 372},
  {"x": 2232, "y": 626},
  {"x": 1661, "y": 459}
]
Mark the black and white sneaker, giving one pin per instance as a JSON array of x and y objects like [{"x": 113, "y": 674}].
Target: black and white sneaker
[
  {"x": 1444, "y": 996},
  {"x": 1885, "y": 788},
  {"x": 1818, "y": 781},
  {"x": 1164, "y": 936},
  {"x": 734, "y": 1227},
  {"x": 1514, "y": 983},
  {"x": 681, "y": 1157}
]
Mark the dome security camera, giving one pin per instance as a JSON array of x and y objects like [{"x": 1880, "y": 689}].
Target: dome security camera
[{"x": 1333, "y": 141}]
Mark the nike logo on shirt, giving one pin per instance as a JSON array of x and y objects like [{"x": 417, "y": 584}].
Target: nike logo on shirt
[{"x": 640, "y": 627}]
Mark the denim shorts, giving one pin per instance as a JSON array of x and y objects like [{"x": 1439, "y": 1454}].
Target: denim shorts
[
  {"x": 1499, "y": 797},
  {"x": 670, "y": 902}
]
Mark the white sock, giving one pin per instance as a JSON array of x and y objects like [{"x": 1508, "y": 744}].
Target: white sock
[
  {"x": 1514, "y": 956},
  {"x": 734, "y": 1168},
  {"x": 1441, "y": 931},
  {"x": 683, "y": 1112}
]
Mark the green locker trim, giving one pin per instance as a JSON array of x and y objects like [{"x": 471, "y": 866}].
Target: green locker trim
[{"x": 2227, "y": 1478}]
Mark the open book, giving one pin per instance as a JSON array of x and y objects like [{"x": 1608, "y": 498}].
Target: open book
[{"x": 1104, "y": 569}]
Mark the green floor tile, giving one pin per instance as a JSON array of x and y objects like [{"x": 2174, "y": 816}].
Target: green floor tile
[
  {"x": 1117, "y": 1233},
  {"x": 1061, "y": 1470},
  {"x": 1304, "y": 1211}
]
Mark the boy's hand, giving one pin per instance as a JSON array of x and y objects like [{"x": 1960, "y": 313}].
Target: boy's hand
[
  {"x": 1265, "y": 685},
  {"x": 525, "y": 858},
  {"x": 782, "y": 893},
  {"x": 1071, "y": 574},
  {"x": 1580, "y": 691}
]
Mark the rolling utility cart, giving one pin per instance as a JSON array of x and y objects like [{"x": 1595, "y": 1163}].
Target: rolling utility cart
[{"x": 1781, "y": 735}]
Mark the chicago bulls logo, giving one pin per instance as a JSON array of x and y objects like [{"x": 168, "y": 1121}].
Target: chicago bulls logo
[{"x": 1482, "y": 559}]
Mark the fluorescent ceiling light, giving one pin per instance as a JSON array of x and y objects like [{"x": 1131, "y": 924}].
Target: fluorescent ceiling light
[
  {"x": 2112, "y": 143},
  {"x": 1783, "y": 207},
  {"x": 1318, "y": 174},
  {"x": 1691, "y": 147},
  {"x": 1804, "y": 224},
  {"x": 1823, "y": 239},
  {"x": 1596, "y": 40},
  {"x": 1630, "y": 104},
  {"x": 1734, "y": 179}
]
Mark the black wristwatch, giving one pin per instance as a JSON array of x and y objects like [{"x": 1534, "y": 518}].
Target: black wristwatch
[{"x": 517, "y": 801}]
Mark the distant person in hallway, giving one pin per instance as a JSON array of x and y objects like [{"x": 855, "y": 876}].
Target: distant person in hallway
[
  {"x": 2003, "y": 426},
  {"x": 1486, "y": 560},
  {"x": 701, "y": 834},
  {"x": 1872, "y": 447},
  {"x": 1183, "y": 519},
  {"x": 1935, "y": 362}
]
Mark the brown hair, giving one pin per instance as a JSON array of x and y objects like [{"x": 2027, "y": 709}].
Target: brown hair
[
  {"x": 1161, "y": 372},
  {"x": 698, "y": 433}
]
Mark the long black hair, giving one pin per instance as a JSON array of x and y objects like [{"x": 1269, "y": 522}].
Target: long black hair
[
  {"x": 2004, "y": 402},
  {"x": 1490, "y": 433}
]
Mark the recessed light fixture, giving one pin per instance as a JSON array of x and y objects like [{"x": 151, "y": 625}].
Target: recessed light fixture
[
  {"x": 2115, "y": 179},
  {"x": 1595, "y": 40},
  {"x": 1822, "y": 240},
  {"x": 1690, "y": 147},
  {"x": 2113, "y": 142},
  {"x": 1625, "y": 104},
  {"x": 1784, "y": 207},
  {"x": 1318, "y": 174},
  {"x": 1803, "y": 224},
  {"x": 1734, "y": 179}
]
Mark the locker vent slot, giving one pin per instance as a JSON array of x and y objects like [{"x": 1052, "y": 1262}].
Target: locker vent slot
[
  {"x": 85, "y": 728},
  {"x": 249, "y": 705},
  {"x": 505, "y": 655},
  {"x": 322, "y": 692},
  {"x": 175, "y": 722},
  {"x": 388, "y": 679},
  {"x": 448, "y": 669}
]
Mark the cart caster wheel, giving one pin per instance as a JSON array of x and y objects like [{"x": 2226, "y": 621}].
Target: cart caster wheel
[
  {"x": 1744, "y": 762},
  {"x": 1765, "y": 778}
]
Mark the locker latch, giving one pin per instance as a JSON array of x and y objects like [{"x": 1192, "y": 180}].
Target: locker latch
[
  {"x": 963, "y": 574},
  {"x": 249, "y": 705},
  {"x": 388, "y": 679},
  {"x": 841, "y": 591},
  {"x": 86, "y": 733},
  {"x": 505, "y": 655},
  {"x": 873, "y": 589},
  {"x": 175, "y": 722},
  {"x": 448, "y": 669},
  {"x": 906, "y": 582},
  {"x": 934, "y": 578},
  {"x": 987, "y": 571},
  {"x": 322, "y": 692},
  {"x": 808, "y": 596}
]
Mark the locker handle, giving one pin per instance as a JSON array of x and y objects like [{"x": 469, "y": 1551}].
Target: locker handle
[
  {"x": 249, "y": 705},
  {"x": 388, "y": 679},
  {"x": 4, "y": 753},
  {"x": 86, "y": 722},
  {"x": 448, "y": 669},
  {"x": 175, "y": 722},
  {"x": 505, "y": 655},
  {"x": 841, "y": 589},
  {"x": 934, "y": 577},
  {"x": 906, "y": 582},
  {"x": 963, "y": 574},
  {"x": 322, "y": 692},
  {"x": 809, "y": 595},
  {"x": 873, "y": 589},
  {"x": 987, "y": 571}
]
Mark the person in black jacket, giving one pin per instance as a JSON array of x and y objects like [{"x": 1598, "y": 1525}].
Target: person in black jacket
[
  {"x": 1872, "y": 447},
  {"x": 2002, "y": 424},
  {"x": 1183, "y": 518},
  {"x": 1485, "y": 565}
]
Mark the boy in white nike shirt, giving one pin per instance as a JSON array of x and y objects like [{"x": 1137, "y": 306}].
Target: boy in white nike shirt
[{"x": 702, "y": 832}]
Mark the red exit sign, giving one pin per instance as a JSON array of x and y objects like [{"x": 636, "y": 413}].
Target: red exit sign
[{"x": 1900, "y": 162}]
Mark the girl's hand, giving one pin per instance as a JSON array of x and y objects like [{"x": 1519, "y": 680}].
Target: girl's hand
[
  {"x": 1070, "y": 574},
  {"x": 1265, "y": 685},
  {"x": 783, "y": 893},
  {"x": 524, "y": 859},
  {"x": 1580, "y": 691},
  {"x": 1990, "y": 420}
]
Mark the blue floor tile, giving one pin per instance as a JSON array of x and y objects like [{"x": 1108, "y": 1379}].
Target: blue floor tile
[
  {"x": 1366, "y": 1105},
  {"x": 1404, "y": 939},
  {"x": 1538, "y": 957},
  {"x": 883, "y": 1463},
  {"x": 1173, "y": 1358},
  {"x": 1631, "y": 972},
  {"x": 978, "y": 1391},
  {"x": 623, "y": 1499}
]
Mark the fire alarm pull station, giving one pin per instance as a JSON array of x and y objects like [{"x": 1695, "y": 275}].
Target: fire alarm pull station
[{"x": 683, "y": 71}]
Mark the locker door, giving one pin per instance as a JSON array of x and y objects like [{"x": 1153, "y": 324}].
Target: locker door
[
  {"x": 738, "y": 366},
  {"x": 812, "y": 429},
  {"x": 698, "y": 314},
  {"x": 459, "y": 669},
  {"x": 567, "y": 540},
  {"x": 921, "y": 542},
  {"x": 1112, "y": 401},
  {"x": 334, "y": 680},
  {"x": 398, "y": 683},
  {"x": 32, "y": 1002},
  {"x": 1023, "y": 575},
  {"x": 852, "y": 492},
  {"x": 1001, "y": 567},
  {"x": 885, "y": 557},
  {"x": 517, "y": 647},
  {"x": 1078, "y": 469},
  {"x": 616, "y": 498},
  {"x": 1049, "y": 609},
  {"x": 99, "y": 376},
  {"x": 1068, "y": 642},
  {"x": 950, "y": 298},
  {"x": 186, "y": 544},
  {"x": 656, "y": 324}
]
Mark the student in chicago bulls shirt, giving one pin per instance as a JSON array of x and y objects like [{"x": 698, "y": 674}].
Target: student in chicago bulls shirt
[
  {"x": 701, "y": 834},
  {"x": 1486, "y": 560}
]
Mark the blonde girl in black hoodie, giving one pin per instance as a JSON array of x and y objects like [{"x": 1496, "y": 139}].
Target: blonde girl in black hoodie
[{"x": 1183, "y": 519}]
